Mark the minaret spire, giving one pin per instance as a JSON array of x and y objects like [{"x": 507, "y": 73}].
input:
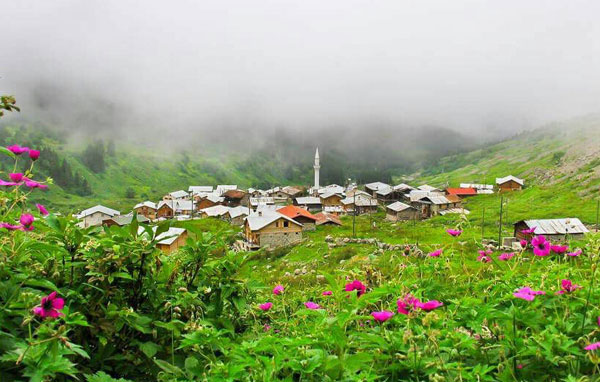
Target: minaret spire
[{"x": 317, "y": 167}]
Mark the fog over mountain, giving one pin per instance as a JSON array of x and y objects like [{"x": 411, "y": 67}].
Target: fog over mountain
[{"x": 239, "y": 69}]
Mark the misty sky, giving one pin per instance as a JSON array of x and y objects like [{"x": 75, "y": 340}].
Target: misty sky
[{"x": 468, "y": 65}]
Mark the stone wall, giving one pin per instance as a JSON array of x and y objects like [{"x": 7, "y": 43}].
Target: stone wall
[{"x": 279, "y": 239}]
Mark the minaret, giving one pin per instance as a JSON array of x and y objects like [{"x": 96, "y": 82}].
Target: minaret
[{"x": 317, "y": 167}]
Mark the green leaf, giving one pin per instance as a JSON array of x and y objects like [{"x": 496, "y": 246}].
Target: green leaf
[
  {"x": 7, "y": 152},
  {"x": 149, "y": 348},
  {"x": 168, "y": 368}
]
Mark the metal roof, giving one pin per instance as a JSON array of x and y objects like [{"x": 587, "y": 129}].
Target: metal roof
[
  {"x": 426, "y": 187},
  {"x": 376, "y": 186},
  {"x": 98, "y": 208},
  {"x": 221, "y": 188},
  {"x": 122, "y": 220},
  {"x": 147, "y": 203},
  {"x": 217, "y": 210},
  {"x": 509, "y": 178},
  {"x": 403, "y": 187},
  {"x": 257, "y": 221},
  {"x": 179, "y": 194},
  {"x": 398, "y": 206},
  {"x": 556, "y": 226},
  {"x": 308, "y": 200},
  {"x": 263, "y": 200},
  {"x": 200, "y": 189},
  {"x": 234, "y": 212}
]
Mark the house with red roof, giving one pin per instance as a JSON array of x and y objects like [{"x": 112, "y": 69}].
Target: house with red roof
[
  {"x": 300, "y": 215},
  {"x": 461, "y": 191}
]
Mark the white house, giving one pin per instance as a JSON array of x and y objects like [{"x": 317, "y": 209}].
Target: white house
[{"x": 95, "y": 215}]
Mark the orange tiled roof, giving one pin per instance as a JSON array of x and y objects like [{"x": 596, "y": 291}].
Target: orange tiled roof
[{"x": 295, "y": 211}]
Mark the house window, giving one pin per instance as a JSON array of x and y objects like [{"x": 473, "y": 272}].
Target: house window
[{"x": 286, "y": 224}]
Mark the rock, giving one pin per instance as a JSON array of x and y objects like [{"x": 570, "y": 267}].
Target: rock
[
  {"x": 297, "y": 271},
  {"x": 287, "y": 274}
]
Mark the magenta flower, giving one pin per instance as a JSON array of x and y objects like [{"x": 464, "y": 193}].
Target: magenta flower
[
  {"x": 327, "y": 293},
  {"x": 266, "y": 327},
  {"x": 278, "y": 289},
  {"x": 523, "y": 243},
  {"x": 541, "y": 247},
  {"x": 382, "y": 316},
  {"x": 7, "y": 184},
  {"x": 505, "y": 256},
  {"x": 34, "y": 184},
  {"x": 568, "y": 287},
  {"x": 26, "y": 220},
  {"x": 356, "y": 286},
  {"x": 574, "y": 254},
  {"x": 42, "y": 209},
  {"x": 486, "y": 252},
  {"x": 17, "y": 150},
  {"x": 484, "y": 258},
  {"x": 407, "y": 304},
  {"x": 429, "y": 305},
  {"x": 560, "y": 249},
  {"x": 594, "y": 346},
  {"x": 50, "y": 306},
  {"x": 528, "y": 231},
  {"x": 266, "y": 306},
  {"x": 526, "y": 293},
  {"x": 34, "y": 154},
  {"x": 436, "y": 253},
  {"x": 10, "y": 227},
  {"x": 311, "y": 305},
  {"x": 454, "y": 232},
  {"x": 16, "y": 177}
]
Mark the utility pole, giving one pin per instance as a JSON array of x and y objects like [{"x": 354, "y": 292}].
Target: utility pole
[
  {"x": 354, "y": 214},
  {"x": 500, "y": 228},
  {"x": 482, "y": 223}
]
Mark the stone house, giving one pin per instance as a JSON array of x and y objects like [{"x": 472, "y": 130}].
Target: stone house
[
  {"x": 300, "y": 215},
  {"x": 401, "y": 211},
  {"x": 95, "y": 215},
  {"x": 147, "y": 209},
  {"x": 271, "y": 229},
  {"x": 552, "y": 229}
]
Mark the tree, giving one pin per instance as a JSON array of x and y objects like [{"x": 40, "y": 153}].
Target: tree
[
  {"x": 93, "y": 156},
  {"x": 130, "y": 193}
]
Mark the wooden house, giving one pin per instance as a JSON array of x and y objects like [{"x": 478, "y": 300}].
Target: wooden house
[
  {"x": 237, "y": 215},
  {"x": 401, "y": 211},
  {"x": 271, "y": 230},
  {"x": 300, "y": 215},
  {"x": 214, "y": 211},
  {"x": 168, "y": 209},
  {"x": 552, "y": 229},
  {"x": 360, "y": 203},
  {"x": 372, "y": 188},
  {"x": 509, "y": 183},
  {"x": 331, "y": 199},
  {"x": 94, "y": 216},
  {"x": 209, "y": 200},
  {"x": 177, "y": 195},
  {"x": 310, "y": 203},
  {"x": 122, "y": 220},
  {"x": 324, "y": 218},
  {"x": 147, "y": 209},
  {"x": 171, "y": 240},
  {"x": 234, "y": 198}
]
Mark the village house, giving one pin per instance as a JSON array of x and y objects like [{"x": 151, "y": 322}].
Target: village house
[
  {"x": 261, "y": 201},
  {"x": 171, "y": 240},
  {"x": 177, "y": 195},
  {"x": 122, "y": 220},
  {"x": 335, "y": 210},
  {"x": 372, "y": 188},
  {"x": 222, "y": 188},
  {"x": 214, "y": 211},
  {"x": 200, "y": 191},
  {"x": 332, "y": 188},
  {"x": 401, "y": 211},
  {"x": 552, "y": 229},
  {"x": 209, "y": 200},
  {"x": 331, "y": 199},
  {"x": 147, "y": 209},
  {"x": 271, "y": 230},
  {"x": 324, "y": 218},
  {"x": 509, "y": 183},
  {"x": 168, "y": 209},
  {"x": 310, "y": 203},
  {"x": 234, "y": 198},
  {"x": 431, "y": 204},
  {"x": 359, "y": 203},
  {"x": 300, "y": 215},
  {"x": 95, "y": 215},
  {"x": 430, "y": 189},
  {"x": 461, "y": 192},
  {"x": 292, "y": 191},
  {"x": 237, "y": 215}
]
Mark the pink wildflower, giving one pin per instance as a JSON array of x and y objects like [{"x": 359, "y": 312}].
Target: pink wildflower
[
  {"x": 327, "y": 293},
  {"x": 429, "y": 305},
  {"x": 7, "y": 184},
  {"x": 505, "y": 256},
  {"x": 311, "y": 305},
  {"x": 10, "y": 227},
  {"x": 266, "y": 306},
  {"x": 356, "y": 286},
  {"x": 16, "y": 176},
  {"x": 484, "y": 258},
  {"x": 523, "y": 243},
  {"x": 26, "y": 220},
  {"x": 541, "y": 247},
  {"x": 50, "y": 306},
  {"x": 435, "y": 253},
  {"x": 526, "y": 293},
  {"x": 382, "y": 316},
  {"x": 34, "y": 154},
  {"x": 42, "y": 209},
  {"x": 407, "y": 304},
  {"x": 560, "y": 249},
  {"x": 34, "y": 184},
  {"x": 574, "y": 254},
  {"x": 594, "y": 346},
  {"x": 568, "y": 287},
  {"x": 454, "y": 232},
  {"x": 266, "y": 327},
  {"x": 17, "y": 150},
  {"x": 528, "y": 231},
  {"x": 278, "y": 289}
]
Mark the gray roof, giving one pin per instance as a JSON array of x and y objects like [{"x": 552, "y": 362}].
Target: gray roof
[
  {"x": 176, "y": 205},
  {"x": 167, "y": 237},
  {"x": 329, "y": 194},
  {"x": 398, "y": 206},
  {"x": 147, "y": 203},
  {"x": 200, "y": 189},
  {"x": 305, "y": 200},
  {"x": 222, "y": 188},
  {"x": 377, "y": 186},
  {"x": 556, "y": 226},
  {"x": 234, "y": 212},
  {"x": 403, "y": 187},
  {"x": 179, "y": 194},
  {"x": 360, "y": 200},
  {"x": 385, "y": 191},
  {"x": 122, "y": 220},
  {"x": 257, "y": 221},
  {"x": 214, "y": 198},
  {"x": 263, "y": 200},
  {"x": 98, "y": 208},
  {"x": 508, "y": 178},
  {"x": 217, "y": 210},
  {"x": 331, "y": 188},
  {"x": 426, "y": 187},
  {"x": 435, "y": 199}
]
